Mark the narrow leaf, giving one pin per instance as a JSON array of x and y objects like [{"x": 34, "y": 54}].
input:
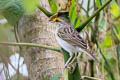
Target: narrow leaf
[
  {"x": 66, "y": 74},
  {"x": 53, "y": 6}
]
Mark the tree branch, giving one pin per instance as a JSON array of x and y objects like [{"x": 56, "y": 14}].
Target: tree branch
[{"x": 30, "y": 45}]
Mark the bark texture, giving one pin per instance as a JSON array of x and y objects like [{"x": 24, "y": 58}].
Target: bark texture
[{"x": 36, "y": 28}]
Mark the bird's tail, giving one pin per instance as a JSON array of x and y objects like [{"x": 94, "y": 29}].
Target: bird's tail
[{"x": 89, "y": 54}]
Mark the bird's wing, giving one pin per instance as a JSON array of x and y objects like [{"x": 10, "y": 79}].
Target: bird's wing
[{"x": 70, "y": 35}]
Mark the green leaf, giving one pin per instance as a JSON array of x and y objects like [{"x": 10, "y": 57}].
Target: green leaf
[
  {"x": 75, "y": 21},
  {"x": 98, "y": 3},
  {"x": 30, "y": 5},
  {"x": 66, "y": 74},
  {"x": 72, "y": 7},
  {"x": 118, "y": 29},
  {"x": 56, "y": 77},
  {"x": 115, "y": 10},
  {"x": 11, "y": 9},
  {"x": 107, "y": 42},
  {"x": 53, "y": 6},
  {"x": 74, "y": 15}
]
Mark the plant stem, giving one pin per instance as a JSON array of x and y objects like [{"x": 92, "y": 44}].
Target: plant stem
[
  {"x": 89, "y": 78},
  {"x": 91, "y": 17},
  {"x": 30, "y": 45},
  {"x": 88, "y": 6}
]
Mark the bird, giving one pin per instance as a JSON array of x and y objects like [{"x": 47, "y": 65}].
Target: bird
[{"x": 69, "y": 38}]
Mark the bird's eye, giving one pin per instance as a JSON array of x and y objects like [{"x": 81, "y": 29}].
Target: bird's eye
[{"x": 57, "y": 21}]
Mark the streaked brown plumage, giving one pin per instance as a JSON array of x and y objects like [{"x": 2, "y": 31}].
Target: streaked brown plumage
[{"x": 69, "y": 38}]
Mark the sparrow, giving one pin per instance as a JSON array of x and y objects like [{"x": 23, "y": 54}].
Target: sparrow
[{"x": 69, "y": 38}]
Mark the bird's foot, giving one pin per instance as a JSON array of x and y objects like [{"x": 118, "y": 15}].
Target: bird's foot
[
  {"x": 71, "y": 63},
  {"x": 71, "y": 67}
]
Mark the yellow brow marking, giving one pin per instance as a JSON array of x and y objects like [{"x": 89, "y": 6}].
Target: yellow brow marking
[{"x": 56, "y": 19}]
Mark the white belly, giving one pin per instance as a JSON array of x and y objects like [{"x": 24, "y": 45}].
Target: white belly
[{"x": 65, "y": 45}]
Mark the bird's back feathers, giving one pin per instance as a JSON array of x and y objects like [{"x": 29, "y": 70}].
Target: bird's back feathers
[{"x": 72, "y": 39}]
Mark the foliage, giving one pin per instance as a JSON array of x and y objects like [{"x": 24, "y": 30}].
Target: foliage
[
  {"x": 107, "y": 42},
  {"x": 74, "y": 18},
  {"x": 29, "y": 5},
  {"x": 53, "y": 5},
  {"x": 11, "y": 10},
  {"x": 115, "y": 11}
]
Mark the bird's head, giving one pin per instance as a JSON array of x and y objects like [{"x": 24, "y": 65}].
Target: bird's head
[
  {"x": 59, "y": 21},
  {"x": 60, "y": 17}
]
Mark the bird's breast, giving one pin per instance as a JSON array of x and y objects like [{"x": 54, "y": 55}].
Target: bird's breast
[{"x": 65, "y": 45}]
